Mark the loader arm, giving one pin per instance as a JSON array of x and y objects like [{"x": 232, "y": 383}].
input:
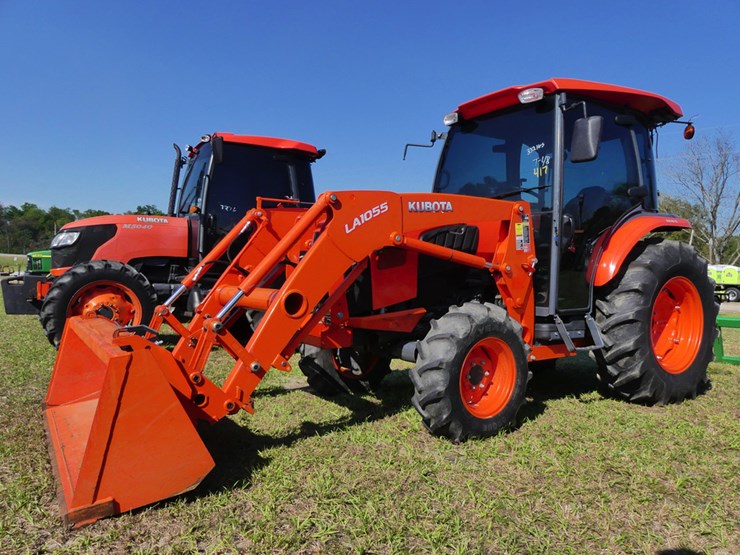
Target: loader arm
[{"x": 320, "y": 252}]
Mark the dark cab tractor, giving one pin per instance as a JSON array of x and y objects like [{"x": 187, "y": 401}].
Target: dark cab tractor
[{"x": 122, "y": 266}]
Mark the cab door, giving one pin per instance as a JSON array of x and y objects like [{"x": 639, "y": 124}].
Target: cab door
[
  {"x": 594, "y": 195},
  {"x": 192, "y": 199}
]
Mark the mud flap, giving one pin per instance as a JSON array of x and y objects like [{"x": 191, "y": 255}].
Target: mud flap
[{"x": 119, "y": 435}]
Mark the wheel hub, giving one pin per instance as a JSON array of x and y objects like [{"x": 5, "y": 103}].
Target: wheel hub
[
  {"x": 111, "y": 301},
  {"x": 487, "y": 377},
  {"x": 676, "y": 325},
  {"x": 476, "y": 373}
]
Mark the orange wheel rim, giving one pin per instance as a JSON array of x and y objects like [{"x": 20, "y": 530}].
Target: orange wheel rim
[
  {"x": 487, "y": 378},
  {"x": 108, "y": 299},
  {"x": 676, "y": 325}
]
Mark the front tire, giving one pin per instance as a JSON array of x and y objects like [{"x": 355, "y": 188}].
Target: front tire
[
  {"x": 471, "y": 372},
  {"x": 658, "y": 323},
  {"x": 104, "y": 287}
]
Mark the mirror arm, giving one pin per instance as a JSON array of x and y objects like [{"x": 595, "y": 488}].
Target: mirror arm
[{"x": 433, "y": 140}]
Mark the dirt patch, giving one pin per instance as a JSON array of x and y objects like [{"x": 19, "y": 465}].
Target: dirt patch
[{"x": 729, "y": 308}]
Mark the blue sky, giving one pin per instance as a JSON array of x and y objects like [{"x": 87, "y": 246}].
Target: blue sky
[{"x": 93, "y": 94}]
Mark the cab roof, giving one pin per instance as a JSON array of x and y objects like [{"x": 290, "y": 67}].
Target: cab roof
[
  {"x": 655, "y": 107},
  {"x": 269, "y": 142}
]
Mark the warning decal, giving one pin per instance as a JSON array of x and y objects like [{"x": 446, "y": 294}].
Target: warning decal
[{"x": 521, "y": 231}]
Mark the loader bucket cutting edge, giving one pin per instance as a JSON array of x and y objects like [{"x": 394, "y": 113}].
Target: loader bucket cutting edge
[{"x": 118, "y": 434}]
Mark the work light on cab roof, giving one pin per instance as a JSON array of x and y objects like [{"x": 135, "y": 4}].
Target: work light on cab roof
[{"x": 531, "y": 95}]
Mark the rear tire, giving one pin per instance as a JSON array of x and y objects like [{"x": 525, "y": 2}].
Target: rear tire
[
  {"x": 106, "y": 287},
  {"x": 471, "y": 372},
  {"x": 658, "y": 323}
]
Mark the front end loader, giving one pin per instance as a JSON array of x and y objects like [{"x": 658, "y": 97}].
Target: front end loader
[
  {"x": 513, "y": 260},
  {"x": 117, "y": 396}
]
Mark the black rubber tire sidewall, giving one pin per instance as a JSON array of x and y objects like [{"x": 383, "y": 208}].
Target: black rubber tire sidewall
[
  {"x": 627, "y": 365},
  {"x": 436, "y": 376},
  {"x": 53, "y": 314},
  {"x": 325, "y": 386}
]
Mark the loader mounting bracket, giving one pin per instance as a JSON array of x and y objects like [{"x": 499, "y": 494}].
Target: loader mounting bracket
[{"x": 140, "y": 330}]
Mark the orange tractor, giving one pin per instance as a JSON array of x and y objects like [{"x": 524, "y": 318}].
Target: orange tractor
[
  {"x": 122, "y": 266},
  {"x": 538, "y": 240}
]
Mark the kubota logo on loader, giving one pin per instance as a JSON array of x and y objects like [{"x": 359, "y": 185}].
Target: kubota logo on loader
[
  {"x": 429, "y": 206},
  {"x": 367, "y": 216}
]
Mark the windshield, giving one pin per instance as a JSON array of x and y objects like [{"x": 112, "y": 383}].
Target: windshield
[
  {"x": 248, "y": 172},
  {"x": 507, "y": 155}
]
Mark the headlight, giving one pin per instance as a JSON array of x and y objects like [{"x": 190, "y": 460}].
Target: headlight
[{"x": 64, "y": 239}]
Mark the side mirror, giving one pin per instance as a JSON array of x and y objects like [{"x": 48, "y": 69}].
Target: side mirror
[
  {"x": 586, "y": 138},
  {"x": 640, "y": 192}
]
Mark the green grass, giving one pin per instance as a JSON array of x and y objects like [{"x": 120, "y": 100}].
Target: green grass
[{"x": 581, "y": 474}]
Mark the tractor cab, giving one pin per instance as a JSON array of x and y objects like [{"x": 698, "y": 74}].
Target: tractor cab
[
  {"x": 579, "y": 152},
  {"x": 223, "y": 175}
]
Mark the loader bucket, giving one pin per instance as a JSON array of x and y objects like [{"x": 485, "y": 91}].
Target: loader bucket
[{"x": 118, "y": 434}]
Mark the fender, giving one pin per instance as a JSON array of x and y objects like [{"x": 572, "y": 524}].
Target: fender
[{"x": 614, "y": 246}]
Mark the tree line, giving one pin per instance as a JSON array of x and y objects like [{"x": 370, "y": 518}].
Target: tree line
[
  {"x": 703, "y": 186},
  {"x": 28, "y": 228}
]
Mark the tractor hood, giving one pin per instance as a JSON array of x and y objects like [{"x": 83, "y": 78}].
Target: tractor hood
[{"x": 120, "y": 237}]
